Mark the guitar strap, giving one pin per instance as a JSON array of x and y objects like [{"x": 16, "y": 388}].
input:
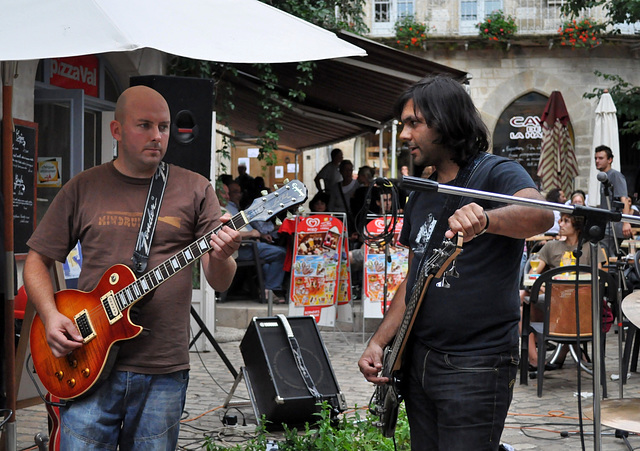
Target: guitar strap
[
  {"x": 297, "y": 357},
  {"x": 150, "y": 218}
]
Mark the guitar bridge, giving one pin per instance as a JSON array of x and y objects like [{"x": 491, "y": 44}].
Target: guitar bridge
[
  {"x": 83, "y": 323},
  {"x": 110, "y": 307}
]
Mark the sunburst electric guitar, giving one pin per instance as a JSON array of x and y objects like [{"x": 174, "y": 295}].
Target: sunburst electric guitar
[
  {"x": 387, "y": 398},
  {"x": 102, "y": 315}
]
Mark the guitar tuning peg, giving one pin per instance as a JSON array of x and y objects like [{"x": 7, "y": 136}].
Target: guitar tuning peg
[
  {"x": 264, "y": 192},
  {"x": 443, "y": 283},
  {"x": 300, "y": 210},
  {"x": 275, "y": 186},
  {"x": 452, "y": 271},
  {"x": 289, "y": 215},
  {"x": 278, "y": 222},
  {"x": 285, "y": 181}
]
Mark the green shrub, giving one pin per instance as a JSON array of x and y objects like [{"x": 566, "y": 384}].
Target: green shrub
[
  {"x": 348, "y": 433},
  {"x": 410, "y": 33},
  {"x": 497, "y": 27}
]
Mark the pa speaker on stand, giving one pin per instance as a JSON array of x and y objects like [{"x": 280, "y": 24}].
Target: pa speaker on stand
[
  {"x": 191, "y": 102},
  {"x": 274, "y": 380}
]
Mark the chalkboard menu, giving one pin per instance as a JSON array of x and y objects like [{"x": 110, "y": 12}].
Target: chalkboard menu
[
  {"x": 518, "y": 132},
  {"x": 25, "y": 157}
]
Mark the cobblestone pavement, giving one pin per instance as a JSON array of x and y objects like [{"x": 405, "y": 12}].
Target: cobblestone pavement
[{"x": 533, "y": 423}]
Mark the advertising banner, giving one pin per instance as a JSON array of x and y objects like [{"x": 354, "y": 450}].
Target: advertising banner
[
  {"x": 315, "y": 267},
  {"x": 345, "y": 306},
  {"x": 376, "y": 279}
]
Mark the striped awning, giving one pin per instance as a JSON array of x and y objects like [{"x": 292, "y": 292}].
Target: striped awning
[{"x": 558, "y": 165}]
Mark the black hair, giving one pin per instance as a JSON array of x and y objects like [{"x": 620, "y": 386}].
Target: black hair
[
  {"x": 334, "y": 153},
  {"x": 607, "y": 149},
  {"x": 320, "y": 195},
  {"x": 554, "y": 195},
  {"x": 448, "y": 108}
]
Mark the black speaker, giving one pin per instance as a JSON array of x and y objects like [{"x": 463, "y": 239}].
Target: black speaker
[
  {"x": 191, "y": 102},
  {"x": 275, "y": 384}
]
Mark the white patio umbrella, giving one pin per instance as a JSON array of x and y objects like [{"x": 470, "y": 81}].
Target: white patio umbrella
[
  {"x": 235, "y": 31},
  {"x": 246, "y": 31},
  {"x": 605, "y": 132}
]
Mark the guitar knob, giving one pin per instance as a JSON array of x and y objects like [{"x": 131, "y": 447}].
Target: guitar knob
[
  {"x": 86, "y": 372},
  {"x": 443, "y": 283},
  {"x": 73, "y": 363},
  {"x": 453, "y": 272},
  {"x": 59, "y": 375},
  {"x": 71, "y": 382}
]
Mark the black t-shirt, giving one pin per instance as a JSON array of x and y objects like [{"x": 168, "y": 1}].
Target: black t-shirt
[{"x": 479, "y": 313}]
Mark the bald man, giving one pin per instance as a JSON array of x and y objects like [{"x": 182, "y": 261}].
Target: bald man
[{"x": 139, "y": 404}]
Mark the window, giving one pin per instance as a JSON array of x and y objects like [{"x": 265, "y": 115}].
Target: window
[
  {"x": 405, "y": 8},
  {"x": 387, "y": 12},
  {"x": 474, "y": 11},
  {"x": 382, "y": 9}
]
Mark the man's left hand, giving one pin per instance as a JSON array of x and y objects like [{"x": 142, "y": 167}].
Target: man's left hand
[
  {"x": 626, "y": 230},
  {"x": 225, "y": 242},
  {"x": 470, "y": 220}
]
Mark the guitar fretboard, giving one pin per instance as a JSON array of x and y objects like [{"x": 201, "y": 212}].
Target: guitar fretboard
[
  {"x": 423, "y": 275},
  {"x": 158, "y": 275}
]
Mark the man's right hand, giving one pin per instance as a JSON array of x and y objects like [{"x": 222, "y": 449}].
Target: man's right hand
[
  {"x": 62, "y": 334},
  {"x": 371, "y": 364}
]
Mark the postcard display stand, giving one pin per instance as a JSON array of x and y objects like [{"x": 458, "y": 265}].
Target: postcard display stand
[
  {"x": 375, "y": 278},
  {"x": 320, "y": 273}
]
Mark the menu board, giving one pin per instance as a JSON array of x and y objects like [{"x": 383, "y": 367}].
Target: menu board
[{"x": 25, "y": 155}]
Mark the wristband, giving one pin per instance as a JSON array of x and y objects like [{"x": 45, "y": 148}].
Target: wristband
[{"x": 486, "y": 226}]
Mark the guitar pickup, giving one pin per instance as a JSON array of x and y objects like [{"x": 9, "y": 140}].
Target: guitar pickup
[
  {"x": 83, "y": 323},
  {"x": 110, "y": 307}
]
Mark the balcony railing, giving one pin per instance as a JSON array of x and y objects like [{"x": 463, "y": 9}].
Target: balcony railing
[{"x": 533, "y": 17}]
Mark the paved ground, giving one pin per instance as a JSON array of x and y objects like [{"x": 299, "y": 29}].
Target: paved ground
[{"x": 533, "y": 423}]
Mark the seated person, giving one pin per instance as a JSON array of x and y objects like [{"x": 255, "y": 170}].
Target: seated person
[
  {"x": 578, "y": 197},
  {"x": 550, "y": 256},
  {"x": 271, "y": 255},
  {"x": 319, "y": 203},
  {"x": 557, "y": 196}
]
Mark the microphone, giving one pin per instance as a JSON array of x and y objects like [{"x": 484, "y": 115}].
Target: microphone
[{"x": 602, "y": 178}]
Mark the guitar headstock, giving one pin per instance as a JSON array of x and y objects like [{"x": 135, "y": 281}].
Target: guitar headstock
[
  {"x": 442, "y": 257},
  {"x": 290, "y": 195}
]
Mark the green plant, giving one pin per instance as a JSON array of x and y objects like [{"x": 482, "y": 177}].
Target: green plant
[
  {"x": 580, "y": 33},
  {"x": 497, "y": 27},
  {"x": 410, "y": 33},
  {"x": 349, "y": 433}
]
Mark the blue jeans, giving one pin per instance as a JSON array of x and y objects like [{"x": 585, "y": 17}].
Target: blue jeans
[
  {"x": 130, "y": 410},
  {"x": 272, "y": 257},
  {"x": 458, "y": 403}
]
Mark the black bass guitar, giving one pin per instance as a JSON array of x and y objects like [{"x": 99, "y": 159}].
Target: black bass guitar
[{"x": 387, "y": 398}]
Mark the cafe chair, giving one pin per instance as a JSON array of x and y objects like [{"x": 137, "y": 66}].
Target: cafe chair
[
  {"x": 248, "y": 270},
  {"x": 559, "y": 314}
]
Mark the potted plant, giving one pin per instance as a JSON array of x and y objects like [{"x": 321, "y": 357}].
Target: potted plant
[
  {"x": 497, "y": 27},
  {"x": 580, "y": 33},
  {"x": 410, "y": 33}
]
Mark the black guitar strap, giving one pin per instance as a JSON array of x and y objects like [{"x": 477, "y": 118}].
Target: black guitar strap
[{"x": 150, "y": 218}]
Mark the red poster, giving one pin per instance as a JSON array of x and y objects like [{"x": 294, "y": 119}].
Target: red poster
[
  {"x": 375, "y": 278},
  {"x": 78, "y": 72},
  {"x": 316, "y": 259}
]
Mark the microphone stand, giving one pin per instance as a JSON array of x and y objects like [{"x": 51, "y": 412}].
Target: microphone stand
[
  {"x": 622, "y": 282},
  {"x": 595, "y": 219}
]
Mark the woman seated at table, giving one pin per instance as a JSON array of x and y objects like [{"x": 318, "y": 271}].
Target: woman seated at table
[{"x": 550, "y": 256}]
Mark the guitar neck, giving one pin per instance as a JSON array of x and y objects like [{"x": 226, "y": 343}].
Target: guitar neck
[
  {"x": 407, "y": 321},
  {"x": 165, "y": 270}
]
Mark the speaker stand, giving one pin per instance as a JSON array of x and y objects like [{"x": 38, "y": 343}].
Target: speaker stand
[
  {"x": 205, "y": 330},
  {"x": 228, "y": 402}
]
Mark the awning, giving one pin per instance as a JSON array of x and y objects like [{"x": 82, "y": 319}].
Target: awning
[{"x": 348, "y": 97}]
